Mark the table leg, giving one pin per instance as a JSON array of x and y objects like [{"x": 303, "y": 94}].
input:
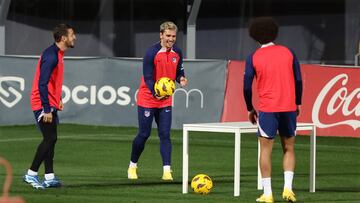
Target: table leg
[
  {"x": 185, "y": 161},
  {"x": 259, "y": 183},
  {"x": 237, "y": 164},
  {"x": 312, "y": 159}
]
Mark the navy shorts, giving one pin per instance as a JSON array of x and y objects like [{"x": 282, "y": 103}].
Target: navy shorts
[{"x": 272, "y": 122}]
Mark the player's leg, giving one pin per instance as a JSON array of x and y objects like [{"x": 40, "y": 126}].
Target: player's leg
[
  {"x": 287, "y": 130},
  {"x": 49, "y": 137},
  {"x": 50, "y": 179},
  {"x": 288, "y": 166},
  {"x": 268, "y": 125},
  {"x": 266, "y": 145},
  {"x": 163, "y": 121},
  {"x": 145, "y": 118},
  {"x": 289, "y": 153},
  {"x": 47, "y": 131}
]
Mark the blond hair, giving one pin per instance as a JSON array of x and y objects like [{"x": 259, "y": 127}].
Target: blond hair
[{"x": 168, "y": 25}]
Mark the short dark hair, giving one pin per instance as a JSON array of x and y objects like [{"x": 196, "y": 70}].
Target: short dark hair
[
  {"x": 263, "y": 29},
  {"x": 61, "y": 30}
]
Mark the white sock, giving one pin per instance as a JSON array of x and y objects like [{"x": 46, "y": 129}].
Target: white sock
[
  {"x": 266, "y": 182},
  {"x": 49, "y": 176},
  {"x": 132, "y": 164},
  {"x": 288, "y": 179},
  {"x": 166, "y": 168},
  {"x": 32, "y": 173}
]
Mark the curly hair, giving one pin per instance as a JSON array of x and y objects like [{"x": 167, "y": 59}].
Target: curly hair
[{"x": 263, "y": 29}]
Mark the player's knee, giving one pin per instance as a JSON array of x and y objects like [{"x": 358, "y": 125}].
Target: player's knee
[
  {"x": 54, "y": 140},
  {"x": 164, "y": 132},
  {"x": 50, "y": 140},
  {"x": 143, "y": 135},
  {"x": 165, "y": 140},
  {"x": 165, "y": 136},
  {"x": 140, "y": 139},
  {"x": 288, "y": 148}
]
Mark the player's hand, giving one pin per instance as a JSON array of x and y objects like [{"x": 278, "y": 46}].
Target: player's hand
[
  {"x": 253, "y": 116},
  {"x": 47, "y": 118},
  {"x": 161, "y": 98},
  {"x": 183, "y": 81},
  {"x": 61, "y": 106},
  {"x": 298, "y": 110}
]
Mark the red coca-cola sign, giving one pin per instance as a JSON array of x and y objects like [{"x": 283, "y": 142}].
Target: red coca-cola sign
[{"x": 331, "y": 98}]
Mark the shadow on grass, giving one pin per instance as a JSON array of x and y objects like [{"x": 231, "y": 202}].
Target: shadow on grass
[
  {"x": 337, "y": 200},
  {"x": 340, "y": 189},
  {"x": 332, "y": 189},
  {"x": 122, "y": 183},
  {"x": 119, "y": 184}
]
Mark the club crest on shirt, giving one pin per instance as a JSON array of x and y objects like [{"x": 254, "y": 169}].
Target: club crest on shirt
[
  {"x": 147, "y": 113},
  {"x": 174, "y": 59}
]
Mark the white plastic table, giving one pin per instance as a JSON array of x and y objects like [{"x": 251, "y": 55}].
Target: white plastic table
[{"x": 237, "y": 128}]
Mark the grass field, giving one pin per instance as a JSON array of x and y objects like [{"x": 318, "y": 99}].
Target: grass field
[{"x": 92, "y": 163}]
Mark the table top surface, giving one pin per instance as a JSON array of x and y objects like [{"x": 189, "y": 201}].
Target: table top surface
[{"x": 237, "y": 125}]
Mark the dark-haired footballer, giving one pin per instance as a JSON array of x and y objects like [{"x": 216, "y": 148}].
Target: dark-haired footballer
[
  {"x": 45, "y": 101},
  {"x": 279, "y": 86}
]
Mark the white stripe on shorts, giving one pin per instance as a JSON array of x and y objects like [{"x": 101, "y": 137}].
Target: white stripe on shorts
[{"x": 262, "y": 132}]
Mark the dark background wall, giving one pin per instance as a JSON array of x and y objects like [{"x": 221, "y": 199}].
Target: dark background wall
[{"x": 320, "y": 31}]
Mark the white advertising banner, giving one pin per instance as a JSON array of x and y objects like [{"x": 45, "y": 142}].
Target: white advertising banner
[{"x": 102, "y": 91}]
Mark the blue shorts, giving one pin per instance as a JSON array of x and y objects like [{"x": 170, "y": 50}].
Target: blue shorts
[{"x": 272, "y": 122}]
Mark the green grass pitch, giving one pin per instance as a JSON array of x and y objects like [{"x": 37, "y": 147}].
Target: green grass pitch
[{"x": 92, "y": 162}]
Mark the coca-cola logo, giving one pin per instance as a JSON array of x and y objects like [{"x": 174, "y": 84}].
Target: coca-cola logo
[{"x": 339, "y": 101}]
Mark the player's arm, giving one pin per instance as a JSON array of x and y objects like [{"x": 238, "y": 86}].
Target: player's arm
[
  {"x": 47, "y": 66},
  {"x": 61, "y": 105},
  {"x": 249, "y": 75},
  {"x": 148, "y": 70},
  {"x": 298, "y": 82},
  {"x": 180, "y": 73}
]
